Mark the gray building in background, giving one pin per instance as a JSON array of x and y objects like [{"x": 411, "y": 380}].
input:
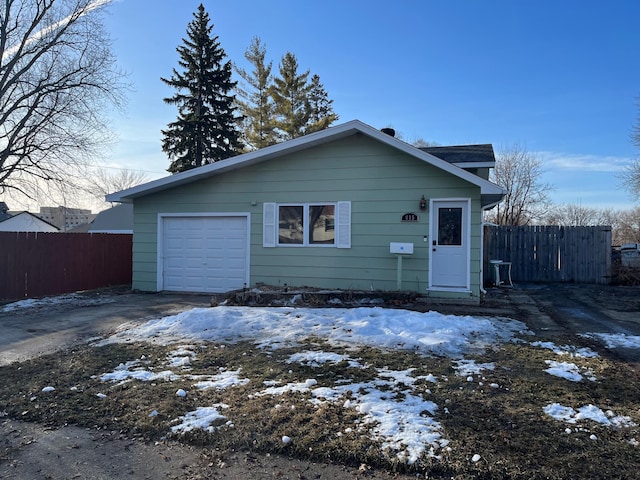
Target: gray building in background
[{"x": 66, "y": 218}]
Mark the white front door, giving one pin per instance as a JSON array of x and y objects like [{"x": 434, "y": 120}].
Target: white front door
[{"x": 450, "y": 237}]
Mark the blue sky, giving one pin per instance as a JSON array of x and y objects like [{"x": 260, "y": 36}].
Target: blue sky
[{"x": 560, "y": 78}]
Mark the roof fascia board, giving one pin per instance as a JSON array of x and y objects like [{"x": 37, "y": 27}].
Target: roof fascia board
[{"x": 474, "y": 164}]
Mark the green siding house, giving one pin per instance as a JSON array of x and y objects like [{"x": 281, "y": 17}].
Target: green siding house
[{"x": 350, "y": 207}]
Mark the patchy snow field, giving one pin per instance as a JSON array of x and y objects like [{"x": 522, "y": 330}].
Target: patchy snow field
[{"x": 394, "y": 409}]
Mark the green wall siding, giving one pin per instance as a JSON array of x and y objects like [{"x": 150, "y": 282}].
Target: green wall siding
[{"x": 380, "y": 182}]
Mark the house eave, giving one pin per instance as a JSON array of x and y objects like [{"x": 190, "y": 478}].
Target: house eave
[
  {"x": 474, "y": 164},
  {"x": 488, "y": 201}
]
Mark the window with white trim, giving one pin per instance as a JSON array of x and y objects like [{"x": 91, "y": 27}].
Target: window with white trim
[{"x": 308, "y": 224}]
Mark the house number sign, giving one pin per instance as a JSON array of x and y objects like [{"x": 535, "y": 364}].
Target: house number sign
[{"x": 410, "y": 217}]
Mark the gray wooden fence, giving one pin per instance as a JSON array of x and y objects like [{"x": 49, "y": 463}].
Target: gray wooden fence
[{"x": 550, "y": 253}]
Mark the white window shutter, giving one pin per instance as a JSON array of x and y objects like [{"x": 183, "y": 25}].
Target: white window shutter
[
  {"x": 269, "y": 225},
  {"x": 343, "y": 234}
]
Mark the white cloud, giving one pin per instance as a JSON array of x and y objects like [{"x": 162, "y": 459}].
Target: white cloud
[{"x": 583, "y": 162}]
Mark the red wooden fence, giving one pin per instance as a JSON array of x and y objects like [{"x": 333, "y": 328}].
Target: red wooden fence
[{"x": 36, "y": 264}]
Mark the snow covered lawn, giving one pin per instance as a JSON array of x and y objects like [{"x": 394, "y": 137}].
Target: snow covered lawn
[
  {"x": 428, "y": 333},
  {"x": 371, "y": 385}
]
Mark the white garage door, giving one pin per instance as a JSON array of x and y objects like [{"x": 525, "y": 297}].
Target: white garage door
[{"x": 204, "y": 254}]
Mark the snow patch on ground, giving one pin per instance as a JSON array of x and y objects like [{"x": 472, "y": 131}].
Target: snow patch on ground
[
  {"x": 400, "y": 420},
  {"x": 205, "y": 418},
  {"x": 393, "y": 408},
  {"x": 317, "y": 359},
  {"x": 133, "y": 371},
  {"x": 569, "y": 371},
  {"x": 427, "y": 333},
  {"x": 70, "y": 299},
  {"x": 616, "y": 340},
  {"x": 570, "y": 350},
  {"x": 587, "y": 412},
  {"x": 464, "y": 368},
  {"x": 220, "y": 381}
]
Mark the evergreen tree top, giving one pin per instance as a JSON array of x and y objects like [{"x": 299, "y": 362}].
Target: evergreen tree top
[{"x": 206, "y": 129}]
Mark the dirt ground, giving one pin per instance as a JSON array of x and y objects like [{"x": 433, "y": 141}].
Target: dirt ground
[
  {"x": 29, "y": 451},
  {"x": 32, "y": 451}
]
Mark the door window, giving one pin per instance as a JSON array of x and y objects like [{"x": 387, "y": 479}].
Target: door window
[{"x": 450, "y": 226}]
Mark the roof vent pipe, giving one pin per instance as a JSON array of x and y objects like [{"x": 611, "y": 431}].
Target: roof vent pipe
[{"x": 389, "y": 131}]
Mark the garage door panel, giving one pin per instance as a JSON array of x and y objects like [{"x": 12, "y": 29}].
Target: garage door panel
[{"x": 204, "y": 254}]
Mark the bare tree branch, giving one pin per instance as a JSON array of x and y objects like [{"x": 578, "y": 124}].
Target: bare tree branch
[
  {"x": 57, "y": 77},
  {"x": 519, "y": 172},
  {"x": 630, "y": 177},
  {"x": 104, "y": 182},
  {"x": 574, "y": 215}
]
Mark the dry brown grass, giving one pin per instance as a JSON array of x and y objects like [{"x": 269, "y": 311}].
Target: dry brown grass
[{"x": 505, "y": 425}]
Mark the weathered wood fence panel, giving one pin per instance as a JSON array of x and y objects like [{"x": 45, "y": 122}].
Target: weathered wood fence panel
[
  {"x": 37, "y": 264},
  {"x": 550, "y": 253}
]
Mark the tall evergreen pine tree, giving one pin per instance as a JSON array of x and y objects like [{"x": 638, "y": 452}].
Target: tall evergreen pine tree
[
  {"x": 290, "y": 94},
  {"x": 321, "y": 113},
  {"x": 256, "y": 105},
  {"x": 207, "y": 128}
]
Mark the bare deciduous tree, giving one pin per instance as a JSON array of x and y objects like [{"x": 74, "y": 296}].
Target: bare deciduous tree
[
  {"x": 635, "y": 134},
  {"x": 625, "y": 224},
  {"x": 572, "y": 214},
  {"x": 520, "y": 173},
  {"x": 57, "y": 77},
  {"x": 104, "y": 182},
  {"x": 630, "y": 176},
  {"x": 627, "y": 227}
]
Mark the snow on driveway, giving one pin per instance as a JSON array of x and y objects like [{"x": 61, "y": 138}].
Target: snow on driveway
[{"x": 73, "y": 299}]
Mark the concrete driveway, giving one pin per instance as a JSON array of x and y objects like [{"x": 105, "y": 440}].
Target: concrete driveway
[
  {"x": 564, "y": 310},
  {"x": 50, "y": 326}
]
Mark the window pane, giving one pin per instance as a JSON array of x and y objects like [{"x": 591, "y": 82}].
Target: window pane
[
  {"x": 450, "y": 226},
  {"x": 322, "y": 221},
  {"x": 291, "y": 224}
]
